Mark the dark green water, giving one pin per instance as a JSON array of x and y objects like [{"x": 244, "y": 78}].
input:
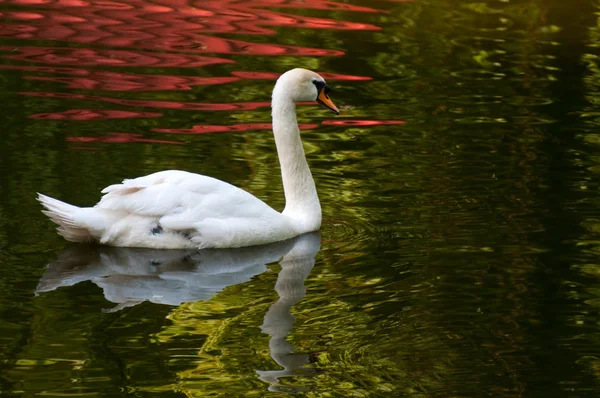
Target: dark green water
[{"x": 459, "y": 254}]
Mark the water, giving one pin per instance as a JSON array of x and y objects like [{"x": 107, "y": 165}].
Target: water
[{"x": 459, "y": 250}]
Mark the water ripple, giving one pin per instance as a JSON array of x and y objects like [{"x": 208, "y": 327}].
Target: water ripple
[
  {"x": 188, "y": 106},
  {"x": 117, "y": 81},
  {"x": 361, "y": 123},
  {"x": 173, "y": 26},
  {"x": 95, "y": 57},
  {"x": 93, "y": 114},
  {"x": 203, "y": 129},
  {"x": 121, "y": 138}
]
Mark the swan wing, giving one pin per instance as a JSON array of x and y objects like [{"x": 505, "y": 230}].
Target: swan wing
[
  {"x": 174, "y": 192},
  {"x": 207, "y": 211}
]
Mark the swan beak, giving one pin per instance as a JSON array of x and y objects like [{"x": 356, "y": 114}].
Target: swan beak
[{"x": 323, "y": 99}]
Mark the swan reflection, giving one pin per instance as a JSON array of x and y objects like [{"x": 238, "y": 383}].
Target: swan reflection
[{"x": 130, "y": 276}]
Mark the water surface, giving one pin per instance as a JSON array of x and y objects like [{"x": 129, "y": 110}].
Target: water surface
[{"x": 459, "y": 250}]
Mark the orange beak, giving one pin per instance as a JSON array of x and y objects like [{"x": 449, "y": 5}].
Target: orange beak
[{"x": 323, "y": 99}]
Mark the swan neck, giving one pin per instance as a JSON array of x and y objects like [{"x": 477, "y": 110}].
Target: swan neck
[{"x": 301, "y": 197}]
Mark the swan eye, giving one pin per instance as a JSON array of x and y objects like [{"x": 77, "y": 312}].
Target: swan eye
[{"x": 318, "y": 84}]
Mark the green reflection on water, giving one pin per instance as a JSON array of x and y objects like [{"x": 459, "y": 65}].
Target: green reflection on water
[{"x": 459, "y": 252}]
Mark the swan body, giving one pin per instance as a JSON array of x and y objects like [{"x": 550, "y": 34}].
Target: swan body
[{"x": 175, "y": 209}]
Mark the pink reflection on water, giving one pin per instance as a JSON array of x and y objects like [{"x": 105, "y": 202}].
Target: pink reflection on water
[
  {"x": 160, "y": 33},
  {"x": 174, "y": 25},
  {"x": 204, "y": 129},
  {"x": 93, "y": 114},
  {"x": 121, "y": 138},
  {"x": 311, "y": 4},
  {"x": 338, "y": 76},
  {"x": 275, "y": 76},
  {"x": 92, "y": 57},
  {"x": 187, "y": 106},
  {"x": 192, "y": 42},
  {"x": 363, "y": 123},
  {"x": 212, "y": 44},
  {"x": 205, "y": 80},
  {"x": 117, "y": 81},
  {"x": 96, "y": 21},
  {"x": 130, "y": 82}
]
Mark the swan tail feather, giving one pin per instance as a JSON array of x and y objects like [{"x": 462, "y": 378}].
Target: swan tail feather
[{"x": 62, "y": 213}]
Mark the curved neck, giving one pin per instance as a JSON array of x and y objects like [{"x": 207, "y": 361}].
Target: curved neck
[{"x": 302, "y": 202}]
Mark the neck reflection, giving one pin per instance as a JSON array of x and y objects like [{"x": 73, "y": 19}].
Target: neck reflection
[{"x": 278, "y": 321}]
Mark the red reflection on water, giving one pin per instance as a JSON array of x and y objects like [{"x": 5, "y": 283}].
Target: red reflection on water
[
  {"x": 178, "y": 18},
  {"x": 47, "y": 69},
  {"x": 117, "y": 81},
  {"x": 338, "y": 76},
  {"x": 129, "y": 82},
  {"x": 92, "y": 57},
  {"x": 158, "y": 33},
  {"x": 203, "y": 129},
  {"x": 205, "y": 80},
  {"x": 93, "y": 114},
  {"x": 121, "y": 138},
  {"x": 275, "y": 76},
  {"x": 363, "y": 123},
  {"x": 172, "y": 25},
  {"x": 311, "y": 4},
  {"x": 186, "y": 106}
]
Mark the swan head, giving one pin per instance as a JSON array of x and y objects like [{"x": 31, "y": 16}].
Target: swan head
[{"x": 304, "y": 85}]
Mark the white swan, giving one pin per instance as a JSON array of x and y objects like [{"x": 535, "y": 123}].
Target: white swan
[{"x": 175, "y": 209}]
